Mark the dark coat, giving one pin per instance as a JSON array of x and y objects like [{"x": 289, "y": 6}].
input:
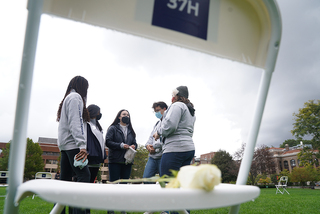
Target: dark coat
[
  {"x": 96, "y": 155},
  {"x": 114, "y": 138}
]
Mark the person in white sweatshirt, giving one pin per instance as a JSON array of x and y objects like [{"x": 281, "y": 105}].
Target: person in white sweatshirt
[{"x": 72, "y": 117}]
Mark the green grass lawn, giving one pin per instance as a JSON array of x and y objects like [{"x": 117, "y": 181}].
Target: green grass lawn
[{"x": 304, "y": 201}]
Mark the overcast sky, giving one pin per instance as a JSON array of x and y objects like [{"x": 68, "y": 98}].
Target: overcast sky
[{"x": 128, "y": 72}]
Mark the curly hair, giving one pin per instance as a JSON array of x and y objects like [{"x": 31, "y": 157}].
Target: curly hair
[{"x": 80, "y": 85}]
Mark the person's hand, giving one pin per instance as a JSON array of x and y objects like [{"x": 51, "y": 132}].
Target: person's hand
[
  {"x": 82, "y": 155},
  {"x": 156, "y": 136},
  {"x": 133, "y": 146},
  {"x": 125, "y": 146},
  {"x": 150, "y": 149}
]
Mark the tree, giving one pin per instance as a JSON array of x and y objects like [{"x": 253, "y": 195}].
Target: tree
[
  {"x": 303, "y": 174},
  {"x": 306, "y": 157},
  {"x": 265, "y": 180},
  {"x": 33, "y": 161},
  {"x": 223, "y": 160},
  {"x": 4, "y": 161},
  {"x": 140, "y": 161},
  {"x": 307, "y": 122},
  {"x": 293, "y": 142},
  {"x": 262, "y": 162}
]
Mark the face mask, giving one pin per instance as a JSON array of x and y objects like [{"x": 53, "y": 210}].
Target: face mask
[
  {"x": 99, "y": 116},
  {"x": 158, "y": 114},
  {"x": 125, "y": 120}
]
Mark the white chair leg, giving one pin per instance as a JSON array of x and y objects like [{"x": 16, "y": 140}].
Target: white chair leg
[{"x": 57, "y": 209}]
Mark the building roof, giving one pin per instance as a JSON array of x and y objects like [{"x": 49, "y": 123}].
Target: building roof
[{"x": 48, "y": 140}]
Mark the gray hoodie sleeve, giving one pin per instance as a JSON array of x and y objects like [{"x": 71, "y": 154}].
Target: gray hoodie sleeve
[
  {"x": 171, "y": 120},
  {"x": 75, "y": 121},
  {"x": 151, "y": 139}
]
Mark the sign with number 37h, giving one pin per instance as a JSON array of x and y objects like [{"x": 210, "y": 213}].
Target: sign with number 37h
[{"x": 185, "y": 16}]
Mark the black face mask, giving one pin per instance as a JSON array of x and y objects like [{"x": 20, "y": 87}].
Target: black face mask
[
  {"x": 99, "y": 116},
  {"x": 125, "y": 120}
]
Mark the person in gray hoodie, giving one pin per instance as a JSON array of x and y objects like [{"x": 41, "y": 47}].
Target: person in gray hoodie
[
  {"x": 71, "y": 115},
  {"x": 176, "y": 129}
]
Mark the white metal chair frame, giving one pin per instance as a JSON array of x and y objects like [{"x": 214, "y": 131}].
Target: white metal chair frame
[
  {"x": 283, "y": 181},
  {"x": 42, "y": 175},
  {"x": 138, "y": 197}
]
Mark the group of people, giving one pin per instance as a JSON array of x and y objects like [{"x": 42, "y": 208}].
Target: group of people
[{"x": 82, "y": 145}]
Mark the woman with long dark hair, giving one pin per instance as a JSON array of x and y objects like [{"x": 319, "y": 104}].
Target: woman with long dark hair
[
  {"x": 120, "y": 137},
  {"x": 72, "y": 142}
]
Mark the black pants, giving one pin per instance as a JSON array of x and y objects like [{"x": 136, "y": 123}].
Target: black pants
[{"x": 68, "y": 170}]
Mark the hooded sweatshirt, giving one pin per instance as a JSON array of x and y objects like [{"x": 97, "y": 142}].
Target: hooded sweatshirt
[
  {"x": 72, "y": 130},
  {"x": 177, "y": 129}
]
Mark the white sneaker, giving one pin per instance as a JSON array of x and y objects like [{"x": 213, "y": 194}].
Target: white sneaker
[{"x": 148, "y": 212}]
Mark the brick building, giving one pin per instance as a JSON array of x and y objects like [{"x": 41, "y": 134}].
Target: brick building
[
  {"x": 206, "y": 158},
  {"x": 287, "y": 158}
]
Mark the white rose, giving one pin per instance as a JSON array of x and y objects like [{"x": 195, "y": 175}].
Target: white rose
[{"x": 204, "y": 176}]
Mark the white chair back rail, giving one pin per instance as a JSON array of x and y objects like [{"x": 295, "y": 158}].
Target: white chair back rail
[{"x": 138, "y": 197}]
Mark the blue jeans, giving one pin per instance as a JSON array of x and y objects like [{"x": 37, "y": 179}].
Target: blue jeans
[
  {"x": 152, "y": 167},
  {"x": 119, "y": 171},
  {"x": 175, "y": 160}
]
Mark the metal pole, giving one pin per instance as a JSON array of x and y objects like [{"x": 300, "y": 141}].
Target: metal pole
[
  {"x": 273, "y": 50},
  {"x": 18, "y": 145}
]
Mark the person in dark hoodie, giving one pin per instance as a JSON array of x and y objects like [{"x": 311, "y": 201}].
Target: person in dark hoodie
[
  {"x": 120, "y": 136},
  {"x": 176, "y": 130},
  {"x": 95, "y": 142}
]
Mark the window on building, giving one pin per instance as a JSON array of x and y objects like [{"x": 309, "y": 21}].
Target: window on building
[
  {"x": 286, "y": 165},
  {"x": 292, "y": 163},
  {"x": 298, "y": 162},
  {"x": 280, "y": 165}
]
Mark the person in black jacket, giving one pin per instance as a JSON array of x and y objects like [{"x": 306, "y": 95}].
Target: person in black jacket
[{"x": 120, "y": 136}]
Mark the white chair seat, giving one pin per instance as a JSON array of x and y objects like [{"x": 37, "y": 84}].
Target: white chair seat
[{"x": 135, "y": 197}]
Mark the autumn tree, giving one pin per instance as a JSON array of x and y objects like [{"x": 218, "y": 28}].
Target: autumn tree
[
  {"x": 223, "y": 160},
  {"x": 262, "y": 162},
  {"x": 33, "y": 161},
  {"x": 307, "y": 122},
  {"x": 303, "y": 174},
  {"x": 140, "y": 161}
]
